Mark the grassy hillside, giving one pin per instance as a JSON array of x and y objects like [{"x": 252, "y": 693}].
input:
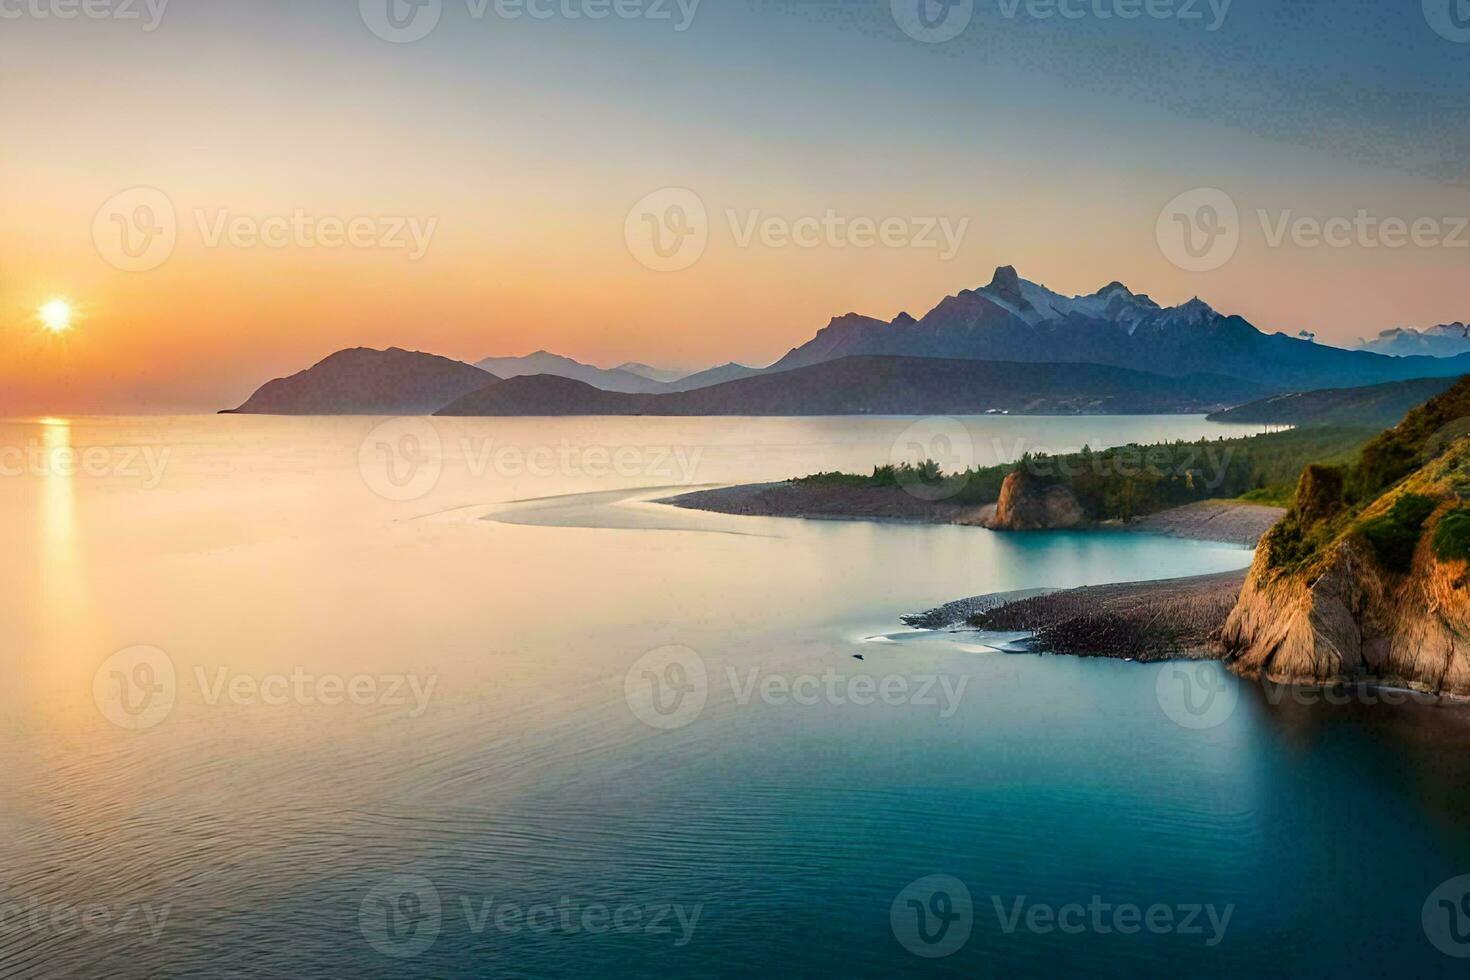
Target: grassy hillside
[{"x": 1391, "y": 496}]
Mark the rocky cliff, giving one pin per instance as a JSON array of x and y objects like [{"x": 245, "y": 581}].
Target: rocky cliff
[
  {"x": 1028, "y": 503},
  {"x": 1366, "y": 579}
]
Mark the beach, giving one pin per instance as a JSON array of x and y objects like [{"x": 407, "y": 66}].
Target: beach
[{"x": 1177, "y": 618}]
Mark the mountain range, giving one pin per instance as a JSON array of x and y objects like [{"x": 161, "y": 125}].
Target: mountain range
[
  {"x": 637, "y": 379},
  {"x": 1012, "y": 319},
  {"x": 880, "y": 386},
  {"x": 1009, "y": 321},
  {"x": 1445, "y": 340}
]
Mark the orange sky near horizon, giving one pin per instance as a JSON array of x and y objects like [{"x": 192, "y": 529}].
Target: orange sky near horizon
[{"x": 528, "y": 189}]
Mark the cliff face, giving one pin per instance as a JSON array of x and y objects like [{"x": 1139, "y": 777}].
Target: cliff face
[
  {"x": 1377, "y": 591},
  {"x": 1029, "y": 504}
]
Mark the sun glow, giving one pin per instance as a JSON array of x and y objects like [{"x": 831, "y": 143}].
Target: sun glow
[{"x": 55, "y": 316}]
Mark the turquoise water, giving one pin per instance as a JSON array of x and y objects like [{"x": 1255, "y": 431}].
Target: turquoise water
[{"x": 627, "y": 739}]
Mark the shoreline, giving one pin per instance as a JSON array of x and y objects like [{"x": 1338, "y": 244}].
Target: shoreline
[
  {"x": 1172, "y": 619},
  {"x": 1219, "y": 521},
  {"x": 1148, "y": 622}
]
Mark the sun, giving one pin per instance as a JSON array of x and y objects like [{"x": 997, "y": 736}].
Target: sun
[{"x": 55, "y": 316}]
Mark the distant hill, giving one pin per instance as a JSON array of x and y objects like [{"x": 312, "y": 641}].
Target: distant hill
[
  {"x": 1380, "y": 406},
  {"x": 1445, "y": 340},
  {"x": 714, "y": 376},
  {"x": 881, "y": 386},
  {"x": 1012, "y": 319},
  {"x": 652, "y": 373},
  {"x": 545, "y": 362},
  {"x": 362, "y": 381}
]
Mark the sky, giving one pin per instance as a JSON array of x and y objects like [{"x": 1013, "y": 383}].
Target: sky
[{"x": 229, "y": 191}]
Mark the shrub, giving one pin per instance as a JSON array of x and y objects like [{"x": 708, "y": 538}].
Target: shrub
[
  {"x": 1394, "y": 536},
  {"x": 1452, "y": 536}
]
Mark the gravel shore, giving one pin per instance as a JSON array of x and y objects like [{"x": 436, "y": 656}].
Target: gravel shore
[{"x": 1145, "y": 621}]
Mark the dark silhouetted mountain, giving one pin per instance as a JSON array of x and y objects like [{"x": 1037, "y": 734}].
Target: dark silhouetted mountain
[
  {"x": 1012, "y": 319},
  {"x": 1380, "y": 406},
  {"x": 882, "y": 386},
  {"x": 1445, "y": 340},
  {"x": 368, "y": 382},
  {"x": 545, "y": 362},
  {"x": 714, "y": 376}
]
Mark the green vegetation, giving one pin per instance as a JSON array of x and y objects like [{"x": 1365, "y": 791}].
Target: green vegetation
[
  {"x": 1452, "y": 536},
  {"x": 1395, "y": 535},
  {"x": 1329, "y": 506},
  {"x": 1130, "y": 481}
]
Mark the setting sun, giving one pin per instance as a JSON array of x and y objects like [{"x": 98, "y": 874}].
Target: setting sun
[{"x": 56, "y": 316}]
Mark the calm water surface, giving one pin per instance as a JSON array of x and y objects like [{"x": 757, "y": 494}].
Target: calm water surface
[{"x": 499, "y": 714}]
